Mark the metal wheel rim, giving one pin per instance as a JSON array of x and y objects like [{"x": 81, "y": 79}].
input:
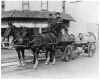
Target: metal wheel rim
[
  {"x": 91, "y": 49},
  {"x": 68, "y": 54}
]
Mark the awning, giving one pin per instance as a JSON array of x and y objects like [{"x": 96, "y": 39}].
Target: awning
[{"x": 32, "y": 14}]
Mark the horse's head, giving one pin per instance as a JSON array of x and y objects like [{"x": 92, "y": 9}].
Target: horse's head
[
  {"x": 8, "y": 31},
  {"x": 24, "y": 32}
]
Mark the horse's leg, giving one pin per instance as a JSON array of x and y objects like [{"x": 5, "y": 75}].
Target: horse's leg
[
  {"x": 53, "y": 55},
  {"x": 46, "y": 54},
  {"x": 23, "y": 57},
  {"x": 32, "y": 51},
  {"x": 36, "y": 58},
  {"x": 48, "y": 57},
  {"x": 19, "y": 56}
]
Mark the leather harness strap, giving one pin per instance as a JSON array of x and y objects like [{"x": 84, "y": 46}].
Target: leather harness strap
[
  {"x": 49, "y": 37},
  {"x": 53, "y": 36},
  {"x": 43, "y": 37}
]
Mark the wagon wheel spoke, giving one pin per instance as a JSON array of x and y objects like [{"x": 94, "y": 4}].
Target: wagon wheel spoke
[{"x": 68, "y": 54}]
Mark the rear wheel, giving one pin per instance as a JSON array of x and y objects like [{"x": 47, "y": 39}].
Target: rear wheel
[
  {"x": 68, "y": 53},
  {"x": 91, "y": 49}
]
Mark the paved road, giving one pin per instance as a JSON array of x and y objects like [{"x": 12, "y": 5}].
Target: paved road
[{"x": 83, "y": 67}]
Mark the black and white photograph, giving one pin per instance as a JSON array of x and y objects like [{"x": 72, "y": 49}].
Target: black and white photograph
[{"x": 50, "y": 39}]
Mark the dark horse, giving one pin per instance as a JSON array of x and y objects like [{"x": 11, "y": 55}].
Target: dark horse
[
  {"x": 18, "y": 39},
  {"x": 44, "y": 41}
]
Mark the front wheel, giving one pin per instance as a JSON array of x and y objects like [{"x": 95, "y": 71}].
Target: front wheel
[{"x": 68, "y": 53}]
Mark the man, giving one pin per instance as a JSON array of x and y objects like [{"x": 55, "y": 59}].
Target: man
[
  {"x": 50, "y": 24},
  {"x": 58, "y": 22},
  {"x": 50, "y": 21}
]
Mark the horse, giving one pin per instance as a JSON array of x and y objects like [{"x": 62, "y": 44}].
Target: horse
[
  {"x": 30, "y": 35},
  {"x": 44, "y": 41},
  {"x": 18, "y": 39}
]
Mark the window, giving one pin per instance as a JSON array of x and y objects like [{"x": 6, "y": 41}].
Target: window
[
  {"x": 3, "y": 5},
  {"x": 44, "y": 5},
  {"x": 25, "y": 5}
]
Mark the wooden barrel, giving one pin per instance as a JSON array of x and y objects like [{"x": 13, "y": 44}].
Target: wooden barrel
[{"x": 87, "y": 37}]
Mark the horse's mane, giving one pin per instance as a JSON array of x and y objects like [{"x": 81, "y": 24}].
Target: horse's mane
[{"x": 15, "y": 28}]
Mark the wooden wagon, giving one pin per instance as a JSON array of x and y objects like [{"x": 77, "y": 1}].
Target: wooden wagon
[{"x": 71, "y": 48}]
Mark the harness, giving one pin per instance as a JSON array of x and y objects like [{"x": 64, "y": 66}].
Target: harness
[{"x": 49, "y": 37}]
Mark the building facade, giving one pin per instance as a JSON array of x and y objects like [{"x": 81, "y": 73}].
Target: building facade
[
  {"x": 24, "y": 9},
  {"x": 85, "y": 14},
  {"x": 32, "y": 14}
]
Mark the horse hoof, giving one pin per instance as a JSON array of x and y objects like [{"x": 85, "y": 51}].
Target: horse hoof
[
  {"x": 23, "y": 65},
  {"x": 46, "y": 63},
  {"x": 34, "y": 67},
  {"x": 53, "y": 63}
]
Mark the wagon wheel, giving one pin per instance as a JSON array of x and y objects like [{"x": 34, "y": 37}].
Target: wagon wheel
[
  {"x": 91, "y": 49},
  {"x": 68, "y": 53}
]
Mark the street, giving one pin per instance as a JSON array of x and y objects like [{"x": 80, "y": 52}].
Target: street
[
  {"x": 11, "y": 55},
  {"x": 61, "y": 27},
  {"x": 82, "y": 67}
]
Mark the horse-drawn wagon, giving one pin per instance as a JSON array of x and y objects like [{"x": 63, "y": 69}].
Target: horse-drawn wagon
[
  {"x": 71, "y": 47},
  {"x": 54, "y": 43}
]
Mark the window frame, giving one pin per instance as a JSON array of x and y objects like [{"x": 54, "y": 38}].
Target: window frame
[
  {"x": 24, "y": 3},
  {"x": 44, "y": 4}
]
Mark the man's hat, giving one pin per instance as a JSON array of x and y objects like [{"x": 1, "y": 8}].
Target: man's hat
[
  {"x": 50, "y": 14},
  {"x": 57, "y": 13}
]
